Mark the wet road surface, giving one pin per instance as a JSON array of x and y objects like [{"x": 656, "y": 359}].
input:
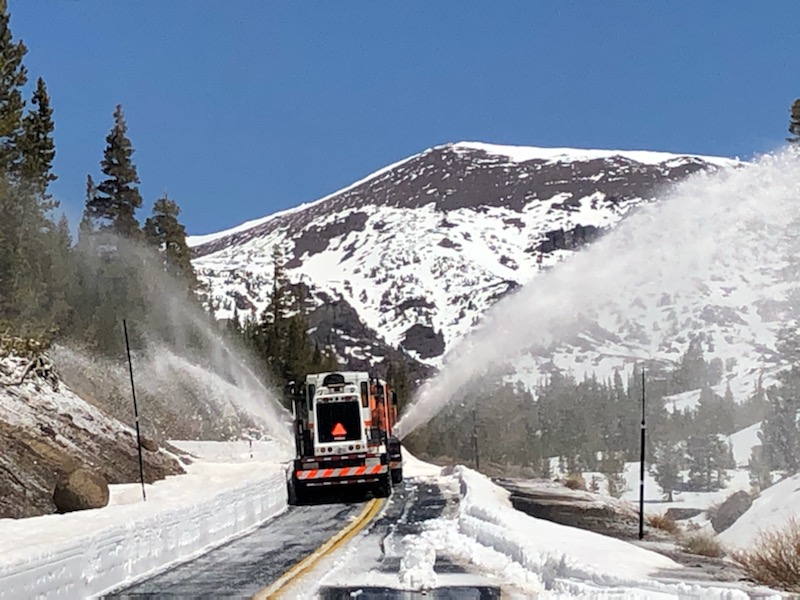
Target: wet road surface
[{"x": 245, "y": 565}]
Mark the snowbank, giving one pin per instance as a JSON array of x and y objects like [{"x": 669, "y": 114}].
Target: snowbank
[
  {"x": 555, "y": 552},
  {"x": 531, "y": 556},
  {"x": 742, "y": 442},
  {"x": 88, "y": 553},
  {"x": 770, "y": 510}
]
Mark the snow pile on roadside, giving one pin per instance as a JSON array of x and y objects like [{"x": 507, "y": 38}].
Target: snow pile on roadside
[
  {"x": 92, "y": 552},
  {"x": 559, "y": 555},
  {"x": 771, "y": 510},
  {"x": 536, "y": 557}
]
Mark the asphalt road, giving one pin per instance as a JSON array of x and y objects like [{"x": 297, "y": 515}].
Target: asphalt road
[{"x": 245, "y": 565}]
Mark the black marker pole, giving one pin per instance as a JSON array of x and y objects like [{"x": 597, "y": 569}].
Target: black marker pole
[
  {"x": 641, "y": 468},
  {"x": 135, "y": 409}
]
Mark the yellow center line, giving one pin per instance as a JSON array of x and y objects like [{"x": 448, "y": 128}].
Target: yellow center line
[{"x": 279, "y": 587}]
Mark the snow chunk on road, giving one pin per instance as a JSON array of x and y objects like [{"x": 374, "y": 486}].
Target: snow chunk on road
[{"x": 416, "y": 566}]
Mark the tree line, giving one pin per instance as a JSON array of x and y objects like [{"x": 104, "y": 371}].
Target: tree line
[
  {"x": 592, "y": 425},
  {"x": 55, "y": 288}
]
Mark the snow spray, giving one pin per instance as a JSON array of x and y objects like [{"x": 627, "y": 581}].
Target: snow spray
[
  {"x": 737, "y": 221},
  {"x": 185, "y": 358}
]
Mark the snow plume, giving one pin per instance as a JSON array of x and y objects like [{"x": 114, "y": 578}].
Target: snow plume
[
  {"x": 735, "y": 221},
  {"x": 183, "y": 361}
]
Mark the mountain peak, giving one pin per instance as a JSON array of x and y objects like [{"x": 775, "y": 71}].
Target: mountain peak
[
  {"x": 520, "y": 154},
  {"x": 416, "y": 252}
]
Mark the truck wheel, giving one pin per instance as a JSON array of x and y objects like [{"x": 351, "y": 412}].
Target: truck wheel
[
  {"x": 296, "y": 496},
  {"x": 397, "y": 476},
  {"x": 383, "y": 489}
]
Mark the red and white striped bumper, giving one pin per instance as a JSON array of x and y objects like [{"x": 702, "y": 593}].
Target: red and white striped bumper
[{"x": 305, "y": 474}]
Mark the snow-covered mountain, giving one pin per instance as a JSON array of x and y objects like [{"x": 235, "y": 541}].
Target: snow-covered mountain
[{"x": 414, "y": 254}]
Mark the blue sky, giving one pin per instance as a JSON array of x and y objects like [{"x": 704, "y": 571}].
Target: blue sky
[{"x": 244, "y": 107}]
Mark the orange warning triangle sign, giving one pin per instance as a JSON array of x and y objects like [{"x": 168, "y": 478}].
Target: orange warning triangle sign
[{"x": 339, "y": 430}]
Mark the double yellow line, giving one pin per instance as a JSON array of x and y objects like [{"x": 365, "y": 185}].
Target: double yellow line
[{"x": 285, "y": 581}]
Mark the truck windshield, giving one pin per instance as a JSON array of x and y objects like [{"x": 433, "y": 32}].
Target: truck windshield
[{"x": 339, "y": 421}]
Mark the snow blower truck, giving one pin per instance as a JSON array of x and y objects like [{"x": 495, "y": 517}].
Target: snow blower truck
[{"x": 343, "y": 436}]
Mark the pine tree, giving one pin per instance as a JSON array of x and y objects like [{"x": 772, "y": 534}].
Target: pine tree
[
  {"x": 397, "y": 377},
  {"x": 113, "y": 207},
  {"x": 612, "y": 465},
  {"x": 668, "y": 462},
  {"x": 86, "y": 228},
  {"x": 709, "y": 457},
  {"x": 36, "y": 234},
  {"x": 165, "y": 233},
  {"x": 38, "y": 148},
  {"x": 13, "y": 76},
  {"x": 714, "y": 414},
  {"x": 692, "y": 373},
  {"x": 780, "y": 432},
  {"x": 794, "y": 123},
  {"x": 760, "y": 475}
]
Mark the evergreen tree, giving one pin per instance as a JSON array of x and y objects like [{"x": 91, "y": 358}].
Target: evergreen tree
[
  {"x": 668, "y": 462},
  {"x": 692, "y": 372},
  {"x": 113, "y": 207},
  {"x": 397, "y": 377},
  {"x": 780, "y": 433},
  {"x": 708, "y": 458},
  {"x": 794, "y": 122},
  {"x": 165, "y": 233},
  {"x": 760, "y": 474},
  {"x": 38, "y": 148},
  {"x": 714, "y": 414},
  {"x": 13, "y": 76},
  {"x": 86, "y": 228},
  {"x": 612, "y": 465},
  {"x": 38, "y": 241}
]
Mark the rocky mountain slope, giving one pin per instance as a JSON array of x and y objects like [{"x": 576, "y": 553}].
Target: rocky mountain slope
[
  {"x": 47, "y": 430},
  {"x": 415, "y": 253}
]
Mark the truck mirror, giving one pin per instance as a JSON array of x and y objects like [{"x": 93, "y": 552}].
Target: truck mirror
[{"x": 394, "y": 398}]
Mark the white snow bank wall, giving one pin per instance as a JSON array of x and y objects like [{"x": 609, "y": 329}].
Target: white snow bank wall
[
  {"x": 123, "y": 543},
  {"x": 556, "y": 553}
]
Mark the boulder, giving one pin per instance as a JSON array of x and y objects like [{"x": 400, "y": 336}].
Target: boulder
[
  {"x": 730, "y": 510},
  {"x": 80, "y": 489},
  {"x": 149, "y": 444},
  {"x": 678, "y": 514}
]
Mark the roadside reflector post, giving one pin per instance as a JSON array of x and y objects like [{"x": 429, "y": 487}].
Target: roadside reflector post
[
  {"x": 135, "y": 408},
  {"x": 641, "y": 465}
]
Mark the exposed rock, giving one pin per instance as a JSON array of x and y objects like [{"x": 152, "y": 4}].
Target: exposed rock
[
  {"x": 80, "y": 489},
  {"x": 576, "y": 508},
  {"x": 679, "y": 514},
  {"x": 424, "y": 340},
  {"x": 730, "y": 510},
  {"x": 58, "y": 432},
  {"x": 149, "y": 444}
]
